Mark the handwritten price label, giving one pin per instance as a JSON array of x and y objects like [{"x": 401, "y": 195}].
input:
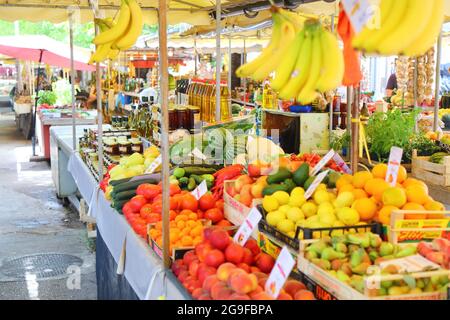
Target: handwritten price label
[
  {"x": 309, "y": 192},
  {"x": 245, "y": 230},
  {"x": 200, "y": 190},
  {"x": 280, "y": 272},
  {"x": 155, "y": 164},
  {"x": 341, "y": 163},
  {"x": 323, "y": 162},
  {"x": 395, "y": 158}
]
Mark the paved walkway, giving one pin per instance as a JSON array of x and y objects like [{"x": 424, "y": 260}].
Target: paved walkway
[{"x": 33, "y": 222}]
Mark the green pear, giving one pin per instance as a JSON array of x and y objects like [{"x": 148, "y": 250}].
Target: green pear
[
  {"x": 318, "y": 247},
  {"x": 311, "y": 255},
  {"x": 347, "y": 268},
  {"x": 361, "y": 269},
  {"x": 373, "y": 255},
  {"x": 382, "y": 292},
  {"x": 406, "y": 252},
  {"x": 341, "y": 247},
  {"x": 386, "y": 249},
  {"x": 375, "y": 240},
  {"x": 321, "y": 263},
  {"x": 342, "y": 276},
  {"x": 330, "y": 254},
  {"x": 395, "y": 291},
  {"x": 356, "y": 257}
]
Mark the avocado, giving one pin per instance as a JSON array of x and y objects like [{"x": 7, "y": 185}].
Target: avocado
[
  {"x": 290, "y": 184},
  {"x": 301, "y": 174},
  {"x": 333, "y": 177},
  {"x": 308, "y": 182},
  {"x": 272, "y": 188},
  {"x": 278, "y": 177}
]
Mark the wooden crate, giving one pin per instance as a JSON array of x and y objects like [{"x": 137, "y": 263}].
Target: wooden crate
[
  {"x": 339, "y": 290},
  {"x": 402, "y": 231},
  {"x": 438, "y": 174}
]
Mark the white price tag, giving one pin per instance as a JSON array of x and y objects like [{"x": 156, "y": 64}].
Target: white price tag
[
  {"x": 155, "y": 164},
  {"x": 359, "y": 12},
  {"x": 200, "y": 190},
  {"x": 198, "y": 154},
  {"x": 341, "y": 163},
  {"x": 323, "y": 162},
  {"x": 280, "y": 272},
  {"x": 395, "y": 158},
  {"x": 247, "y": 227},
  {"x": 309, "y": 192}
]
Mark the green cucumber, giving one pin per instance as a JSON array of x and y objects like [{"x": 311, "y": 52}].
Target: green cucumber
[
  {"x": 124, "y": 195},
  {"x": 198, "y": 171},
  {"x": 272, "y": 188},
  {"x": 278, "y": 177},
  {"x": 132, "y": 185}
]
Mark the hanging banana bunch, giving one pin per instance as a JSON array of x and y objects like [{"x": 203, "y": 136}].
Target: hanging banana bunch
[
  {"x": 407, "y": 27},
  {"x": 307, "y": 60},
  {"x": 119, "y": 36}
]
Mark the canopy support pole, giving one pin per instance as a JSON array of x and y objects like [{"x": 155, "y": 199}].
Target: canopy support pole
[
  {"x": 164, "y": 90},
  {"x": 218, "y": 57},
  {"x": 349, "y": 116},
  {"x": 355, "y": 130},
  {"x": 99, "y": 93},
  {"x": 229, "y": 64},
  {"x": 438, "y": 82},
  {"x": 34, "y": 115},
  {"x": 72, "y": 83},
  {"x": 244, "y": 80},
  {"x": 195, "y": 56},
  {"x": 332, "y": 101}
]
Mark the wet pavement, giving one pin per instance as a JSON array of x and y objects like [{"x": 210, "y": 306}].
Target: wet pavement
[{"x": 32, "y": 222}]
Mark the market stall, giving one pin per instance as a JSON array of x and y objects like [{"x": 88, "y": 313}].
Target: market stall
[{"x": 207, "y": 214}]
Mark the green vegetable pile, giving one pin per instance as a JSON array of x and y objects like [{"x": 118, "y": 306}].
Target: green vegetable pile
[
  {"x": 422, "y": 144},
  {"x": 47, "y": 97}
]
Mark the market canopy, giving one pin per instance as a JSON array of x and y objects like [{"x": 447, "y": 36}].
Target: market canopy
[{"x": 53, "y": 52}]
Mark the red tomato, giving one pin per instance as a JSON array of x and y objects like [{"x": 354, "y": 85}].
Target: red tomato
[
  {"x": 158, "y": 198},
  {"x": 220, "y": 204},
  {"x": 215, "y": 215},
  {"x": 137, "y": 202},
  {"x": 145, "y": 210},
  {"x": 153, "y": 218},
  {"x": 157, "y": 207},
  {"x": 174, "y": 189},
  {"x": 206, "y": 202},
  {"x": 174, "y": 203},
  {"x": 189, "y": 202},
  {"x": 200, "y": 214},
  {"x": 172, "y": 215},
  {"x": 126, "y": 209},
  {"x": 149, "y": 191}
]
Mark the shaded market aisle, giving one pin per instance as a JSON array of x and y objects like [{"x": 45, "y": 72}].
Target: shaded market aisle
[{"x": 44, "y": 250}]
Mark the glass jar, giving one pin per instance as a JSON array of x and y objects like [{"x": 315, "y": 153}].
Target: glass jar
[
  {"x": 173, "y": 119},
  {"x": 125, "y": 148},
  {"x": 112, "y": 148},
  {"x": 194, "y": 115},
  {"x": 183, "y": 118}
]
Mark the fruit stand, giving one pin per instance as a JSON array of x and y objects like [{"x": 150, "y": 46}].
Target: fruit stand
[{"x": 217, "y": 214}]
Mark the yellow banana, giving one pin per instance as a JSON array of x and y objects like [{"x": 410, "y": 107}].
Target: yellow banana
[
  {"x": 294, "y": 18},
  {"x": 249, "y": 68},
  {"x": 308, "y": 93},
  {"x": 428, "y": 36},
  {"x": 332, "y": 63},
  {"x": 284, "y": 70},
  {"x": 287, "y": 37},
  {"x": 119, "y": 29},
  {"x": 418, "y": 13},
  {"x": 135, "y": 27},
  {"x": 301, "y": 70},
  {"x": 113, "y": 54},
  {"x": 101, "y": 53},
  {"x": 393, "y": 18},
  {"x": 368, "y": 31}
]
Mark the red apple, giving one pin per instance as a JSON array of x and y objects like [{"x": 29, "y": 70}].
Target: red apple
[
  {"x": 202, "y": 249},
  {"x": 234, "y": 253},
  {"x": 248, "y": 257},
  {"x": 219, "y": 239},
  {"x": 214, "y": 258},
  {"x": 265, "y": 262},
  {"x": 252, "y": 244},
  {"x": 189, "y": 257}
]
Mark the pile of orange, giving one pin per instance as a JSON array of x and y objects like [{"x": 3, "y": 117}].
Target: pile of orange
[
  {"x": 186, "y": 230},
  {"x": 376, "y": 199}
]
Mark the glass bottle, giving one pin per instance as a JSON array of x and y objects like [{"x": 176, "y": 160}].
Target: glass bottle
[
  {"x": 225, "y": 103},
  {"x": 206, "y": 101},
  {"x": 212, "y": 106}
]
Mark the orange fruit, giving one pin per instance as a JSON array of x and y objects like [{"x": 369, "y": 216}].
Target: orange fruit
[
  {"x": 187, "y": 241},
  {"x": 394, "y": 197},
  {"x": 359, "y": 194},
  {"x": 158, "y": 225},
  {"x": 378, "y": 188},
  {"x": 379, "y": 171},
  {"x": 366, "y": 209},
  {"x": 193, "y": 216},
  {"x": 384, "y": 216},
  {"x": 343, "y": 180},
  {"x": 372, "y": 184},
  {"x": 402, "y": 174},
  {"x": 360, "y": 179},
  {"x": 409, "y": 182},
  {"x": 346, "y": 187},
  {"x": 197, "y": 240},
  {"x": 197, "y": 231},
  {"x": 186, "y": 231},
  {"x": 417, "y": 194},
  {"x": 190, "y": 224},
  {"x": 181, "y": 224},
  {"x": 434, "y": 206},
  {"x": 410, "y": 206}
]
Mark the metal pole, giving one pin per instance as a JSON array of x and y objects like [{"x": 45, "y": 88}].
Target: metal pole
[
  {"x": 99, "y": 93},
  {"x": 229, "y": 66},
  {"x": 164, "y": 89},
  {"x": 218, "y": 58},
  {"x": 244, "y": 80},
  {"x": 72, "y": 84},
  {"x": 438, "y": 82},
  {"x": 349, "y": 116},
  {"x": 331, "y": 106},
  {"x": 195, "y": 56},
  {"x": 355, "y": 131}
]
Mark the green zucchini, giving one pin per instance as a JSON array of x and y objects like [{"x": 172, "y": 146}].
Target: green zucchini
[
  {"x": 271, "y": 189},
  {"x": 124, "y": 195},
  {"x": 132, "y": 185},
  {"x": 198, "y": 171}
]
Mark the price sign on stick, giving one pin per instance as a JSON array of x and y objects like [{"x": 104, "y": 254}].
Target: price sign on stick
[
  {"x": 395, "y": 158},
  {"x": 323, "y": 162},
  {"x": 341, "y": 163},
  {"x": 247, "y": 227},
  {"x": 359, "y": 12},
  {"x": 155, "y": 164},
  {"x": 309, "y": 192},
  {"x": 280, "y": 272},
  {"x": 200, "y": 190}
]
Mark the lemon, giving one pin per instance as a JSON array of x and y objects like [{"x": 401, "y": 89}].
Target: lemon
[
  {"x": 321, "y": 196},
  {"x": 286, "y": 226},
  {"x": 311, "y": 221},
  {"x": 274, "y": 217},
  {"x": 309, "y": 209},
  {"x": 336, "y": 224},
  {"x": 282, "y": 197},
  {"x": 326, "y": 214},
  {"x": 297, "y": 192},
  {"x": 348, "y": 216},
  {"x": 332, "y": 196},
  {"x": 322, "y": 186},
  {"x": 284, "y": 208},
  {"x": 270, "y": 203},
  {"x": 344, "y": 199},
  {"x": 295, "y": 214},
  {"x": 325, "y": 208},
  {"x": 297, "y": 200}
]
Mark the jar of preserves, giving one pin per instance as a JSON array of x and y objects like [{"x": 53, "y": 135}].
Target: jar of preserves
[{"x": 183, "y": 118}]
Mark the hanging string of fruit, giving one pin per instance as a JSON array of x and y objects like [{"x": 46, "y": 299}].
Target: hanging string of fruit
[
  {"x": 118, "y": 36},
  {"x": 306, "y": 59}
]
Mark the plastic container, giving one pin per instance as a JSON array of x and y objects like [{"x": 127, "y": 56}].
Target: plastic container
[{"x": 300, "y": 109}]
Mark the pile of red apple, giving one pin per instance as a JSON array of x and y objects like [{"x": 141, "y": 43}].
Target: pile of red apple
[{"x": 219, "y": 269}]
